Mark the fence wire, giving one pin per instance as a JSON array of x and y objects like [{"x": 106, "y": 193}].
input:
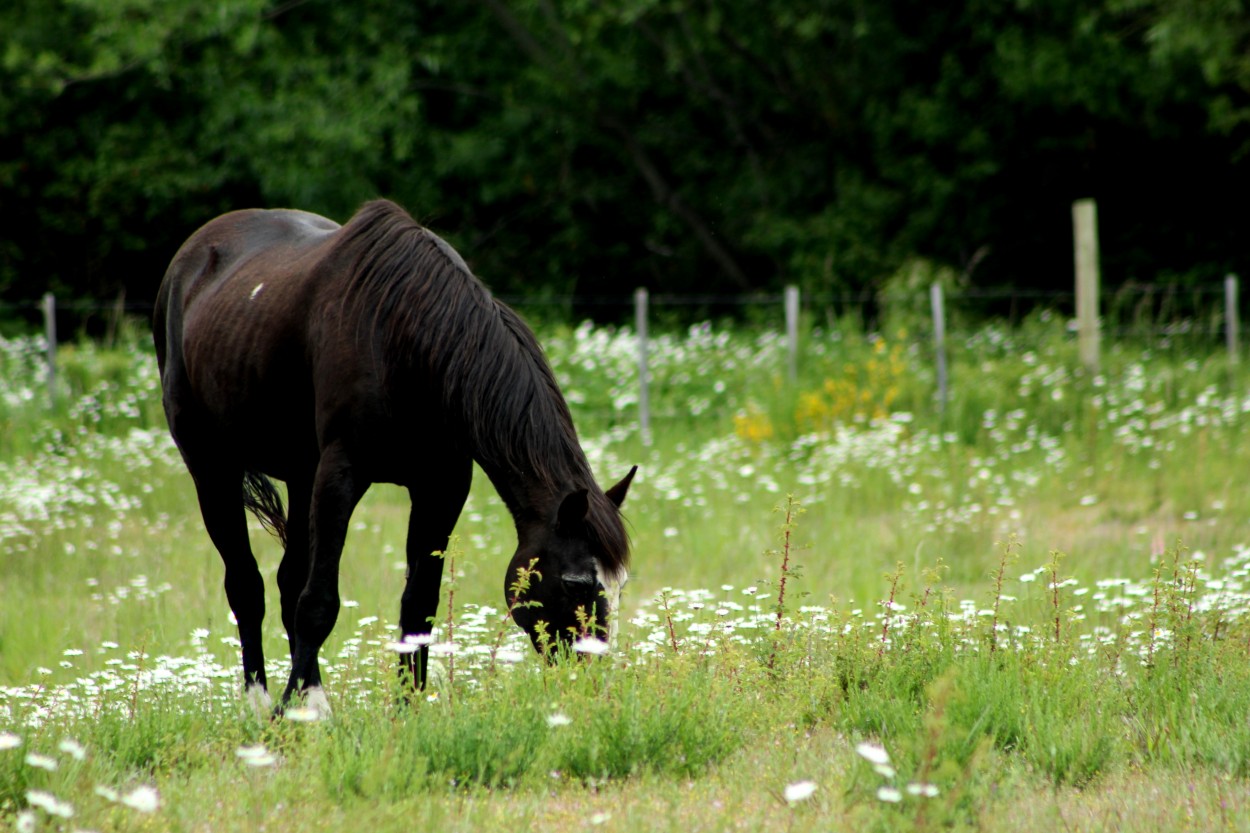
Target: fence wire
[{"x": 1132, "y": 310}]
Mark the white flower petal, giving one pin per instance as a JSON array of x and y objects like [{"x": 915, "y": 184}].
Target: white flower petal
[
  {"x": 302, "y": 714},
  {"x": 590, "y": 645},
  {"x": 889, "y": 794},
  {"x": 49, "y": 803},
  {"x": 799, "y": 791},
  {"x": 73, "y": 748},
  {"x": 41, "y": 761},
  {"x": 873, "y": 753},
  {"x": 144, "y": 799}
]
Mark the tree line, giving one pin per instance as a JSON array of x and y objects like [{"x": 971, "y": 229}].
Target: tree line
[{"x": 587, "y": 147}]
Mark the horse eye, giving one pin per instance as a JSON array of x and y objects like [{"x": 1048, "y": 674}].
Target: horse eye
[{"x": 579, "y": 581}]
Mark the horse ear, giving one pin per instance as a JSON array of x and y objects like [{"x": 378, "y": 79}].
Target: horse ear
[
  {"x": 573, "y": 509},
  {"x": 617, "y": 493}
]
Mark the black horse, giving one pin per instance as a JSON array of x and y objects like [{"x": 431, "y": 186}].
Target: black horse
[{"x": 336, "y": 357}]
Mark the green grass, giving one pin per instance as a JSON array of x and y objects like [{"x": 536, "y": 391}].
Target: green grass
[{"x": 1033, "y": 601}]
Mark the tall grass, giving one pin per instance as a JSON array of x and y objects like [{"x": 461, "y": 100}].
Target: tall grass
[{"x": 848, "y": 609}]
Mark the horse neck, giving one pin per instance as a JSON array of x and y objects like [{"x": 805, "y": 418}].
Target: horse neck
[
  {"x": 498, "y": 392},
  {"x": 530, "y": 498},
  {"x": 519, "y": 429}
]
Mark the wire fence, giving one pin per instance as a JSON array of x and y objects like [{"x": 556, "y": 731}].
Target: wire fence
[
  {"x": 1136, "y": 310},
  {"x": 1168, "y": 314},
  {"x": 1130, "y": 310}
]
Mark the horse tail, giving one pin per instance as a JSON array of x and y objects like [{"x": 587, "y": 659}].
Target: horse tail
[{"x": 261, "y": 496}]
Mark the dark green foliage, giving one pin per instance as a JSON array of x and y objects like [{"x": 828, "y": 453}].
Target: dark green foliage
[{"x": 588, "y": 148}]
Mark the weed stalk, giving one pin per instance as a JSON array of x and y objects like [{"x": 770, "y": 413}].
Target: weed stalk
[
  {"x": 668, "y": 620},
  {"x": 894, "y": 578},
  {"x": 1157, "y": 581},
  {"x": 1053, "y": 568},
  {"x": 1007, "y": 554},
  {"x": 516, "y": 592},
  {"x": 792, "y": 511},
  {"x": 787, "y": 531},
  {"x": 134, "y": 689},
  {"x": 450, "y": 555}
]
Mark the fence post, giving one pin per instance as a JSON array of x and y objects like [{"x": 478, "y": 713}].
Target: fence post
[
  {"x": 1232, "y": 319},
  {"x": 1085, "y": 234},
  {"x": 792, "y": 331},
  {"x": 49, "y": 328},
  {"x": 644, "y": 399},
  {"x": 939, "y": 341}
]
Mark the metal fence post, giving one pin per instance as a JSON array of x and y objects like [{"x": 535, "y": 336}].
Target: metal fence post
[
  {"x": 1085, "y": 233},
  {"x": 49, "y": 328},
  {"x": 937, "y": 302},
  {"x": 792, "y": 331},
  {"x": 1232, "y": 319},
  {"x": 644, "y": 399}
]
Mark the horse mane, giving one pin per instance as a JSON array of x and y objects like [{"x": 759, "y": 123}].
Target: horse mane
[{"x": 435, "y": 317}]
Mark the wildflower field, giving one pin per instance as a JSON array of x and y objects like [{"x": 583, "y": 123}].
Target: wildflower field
[{"x": 850, "y": 608}]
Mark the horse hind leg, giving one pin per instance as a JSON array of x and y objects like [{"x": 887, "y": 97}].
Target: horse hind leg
[
  {"x": 219, "y": 489},
  {"x": 293, "y": 571},
  {"x": 336, "y": 490}
]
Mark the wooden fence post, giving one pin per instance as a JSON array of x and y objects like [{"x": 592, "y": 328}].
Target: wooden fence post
[
  {"x": 1085, "y": 233},
  {"x": 939, "y": 342},
  {"x": 49, "y": 328},
  {"x": 1232, "y": 319},
  {"x": 644, "y": 399},
  {"x": 792, "y": 331}
]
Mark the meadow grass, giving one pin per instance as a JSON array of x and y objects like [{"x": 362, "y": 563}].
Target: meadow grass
[{"x": 848, "y": 609}]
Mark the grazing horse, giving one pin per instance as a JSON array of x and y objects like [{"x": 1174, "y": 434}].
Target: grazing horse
[{"x": 333, "y": 357}]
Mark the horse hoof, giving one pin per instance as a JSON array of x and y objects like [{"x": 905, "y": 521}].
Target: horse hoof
[
  {"x": 260, "y": 701},
  {"x": 315, "y": 706}
]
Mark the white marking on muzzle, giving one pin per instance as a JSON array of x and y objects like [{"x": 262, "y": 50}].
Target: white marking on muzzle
[{"x": 612, "y": 584}]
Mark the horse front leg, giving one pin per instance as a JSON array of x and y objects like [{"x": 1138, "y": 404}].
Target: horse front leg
[
  {"x": 435, "y": 507},
  {"x": 336, "y": 491}
]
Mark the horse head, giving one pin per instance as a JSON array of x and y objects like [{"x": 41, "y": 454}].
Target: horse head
[{"x": 565, "y": 579}]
